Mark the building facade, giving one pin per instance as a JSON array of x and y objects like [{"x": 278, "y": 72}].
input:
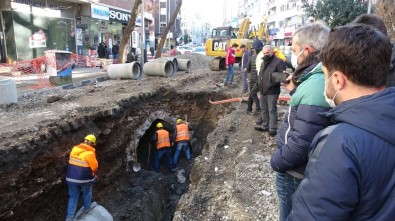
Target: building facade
[
  {"x": 30, "y": 27},
  {"x": 162, "y": 15},
  {"x": 282, "y": 17}
]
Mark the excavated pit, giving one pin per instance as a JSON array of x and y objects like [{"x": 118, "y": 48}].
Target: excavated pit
[{"x": 33, "y": 168}]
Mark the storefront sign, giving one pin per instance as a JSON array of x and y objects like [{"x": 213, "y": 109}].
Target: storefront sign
[
  {"x": 123, "y": 17},
  {"x": 100, "y": 12},
  {"x": 38, "y": 40},
  {"x": 119, "y": 16},
  {"x": 78, "y": 36},
  {"x": 44, "y": 8},
  {"x": 135, "y": 39}
]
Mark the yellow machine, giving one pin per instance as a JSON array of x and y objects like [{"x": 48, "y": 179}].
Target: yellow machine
[
  {"x": 224, "y": 37},
  {"x": 261, "y": 33}
]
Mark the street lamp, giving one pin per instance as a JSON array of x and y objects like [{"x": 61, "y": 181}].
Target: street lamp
[{"x": 142, "y": 46}]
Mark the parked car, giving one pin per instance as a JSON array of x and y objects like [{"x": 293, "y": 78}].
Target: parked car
[
  {"x": 184, "y": 49},
  {"x": 199, "y": 50}
]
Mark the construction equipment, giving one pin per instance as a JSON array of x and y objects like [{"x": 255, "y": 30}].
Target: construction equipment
[
  {"x": 261, "y": 33},
  {"x": 224, "y": 37}
]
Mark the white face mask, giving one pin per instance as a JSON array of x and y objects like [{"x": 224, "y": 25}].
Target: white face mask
[
  {"x": 331, "y": 102},
  {"x": 294, "y": 59}
]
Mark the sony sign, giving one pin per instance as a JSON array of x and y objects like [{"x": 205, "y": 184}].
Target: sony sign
[{"x": 119, "y": 16}]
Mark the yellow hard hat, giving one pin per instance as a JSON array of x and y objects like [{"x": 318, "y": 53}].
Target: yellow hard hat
[
  {"x": 159, "y": 125},
  {"x": 179, "y": 120},
  {"x": 91, "y": 138}
]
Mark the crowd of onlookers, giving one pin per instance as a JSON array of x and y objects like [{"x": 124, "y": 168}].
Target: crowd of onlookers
[{"x": 335, "y": 157}]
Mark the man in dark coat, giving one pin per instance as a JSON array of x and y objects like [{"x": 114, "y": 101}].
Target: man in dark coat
[
  {"x": 257, "y": 45},
  {"x": 269, "y": 91},
  {"x": 350, "y": 173},
  {"x": 101, "y": 50}
]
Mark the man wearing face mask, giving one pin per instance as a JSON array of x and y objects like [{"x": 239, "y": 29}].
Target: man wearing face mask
[
  {"x": 350, "y": 174},
  {"x": 269, "y": 90},
  {"x": 301, "y": 122}
]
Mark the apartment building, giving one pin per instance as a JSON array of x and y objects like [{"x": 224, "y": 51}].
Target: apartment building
[{"x": 162, "y": 15}]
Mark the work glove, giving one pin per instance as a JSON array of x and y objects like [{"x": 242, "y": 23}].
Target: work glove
[{"x": 95, "y": 180}]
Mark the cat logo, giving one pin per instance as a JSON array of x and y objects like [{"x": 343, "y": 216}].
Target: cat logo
[{"x": 219, "y": 46}]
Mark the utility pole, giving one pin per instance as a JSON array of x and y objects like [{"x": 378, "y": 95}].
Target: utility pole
[
  {"x": 142, "y": 46},
  {"x": 369, "y": 6}
]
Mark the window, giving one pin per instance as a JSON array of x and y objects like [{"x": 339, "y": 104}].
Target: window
[
  {"x": 163, "y": 11},
  {"x": 163, "y": 24}
]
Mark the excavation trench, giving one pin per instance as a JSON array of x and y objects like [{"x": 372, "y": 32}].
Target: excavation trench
[{"x": 38, "y": 190}]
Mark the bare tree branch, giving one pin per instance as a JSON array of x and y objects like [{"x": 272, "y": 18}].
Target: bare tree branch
[{"x": 128, "y": 31}]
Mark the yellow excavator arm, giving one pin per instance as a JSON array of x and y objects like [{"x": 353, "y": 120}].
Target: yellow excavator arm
[{"x": 244, "y": 27}]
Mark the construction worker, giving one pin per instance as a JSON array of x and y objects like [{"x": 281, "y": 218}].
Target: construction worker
[
  {"x": 81, "y": 174},
  {"x": 161, "y": 140},
  {"x": 182, "y": 140}
]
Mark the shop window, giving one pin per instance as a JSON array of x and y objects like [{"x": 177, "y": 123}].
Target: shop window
[{"x": 36, "y": 34}]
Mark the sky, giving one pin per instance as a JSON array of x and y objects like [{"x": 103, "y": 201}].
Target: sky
[{"x": 210, "y": 11}]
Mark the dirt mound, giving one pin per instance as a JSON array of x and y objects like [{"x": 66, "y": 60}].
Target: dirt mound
[{"x": 198, "y": 61}]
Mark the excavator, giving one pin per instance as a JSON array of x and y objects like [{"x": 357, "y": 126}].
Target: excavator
[{"x": 224, "y": 37}]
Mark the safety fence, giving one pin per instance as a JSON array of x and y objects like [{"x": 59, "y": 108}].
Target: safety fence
[{"x": 52, "y": 64}]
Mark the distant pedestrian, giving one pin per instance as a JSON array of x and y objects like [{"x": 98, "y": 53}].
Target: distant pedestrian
[
  {"x": 245, "y": 59},
  {"x": 350, "y": 173},
  {"x": 173, "y": 50},
  {"x": 115, "y": 49},
  {"x": 152, "y": 50},
  {"x": 230, "y": 59},
  {"x": 101, "y": 50},
  {"x": 130, "y": 57},
  {"x": 80, "y": 175},
  {"x": 182, "y": 140},
  {"x": 161, "y": 140}
]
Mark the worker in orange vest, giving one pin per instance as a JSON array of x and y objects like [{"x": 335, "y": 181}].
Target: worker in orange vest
[
  {"x": 161, "y": 140},
  {"x": 182, "y": 140},
  {"x": 81, "y": 174}
]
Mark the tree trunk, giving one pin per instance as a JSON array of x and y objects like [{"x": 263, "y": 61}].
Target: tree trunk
[
  {"x": 167, "y": 29},
  {"x": 386, "y": 9},
  {"x": 128, "y": 32}
]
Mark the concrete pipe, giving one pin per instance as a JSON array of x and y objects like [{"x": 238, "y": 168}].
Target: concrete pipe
[
  {"x": 163, "y": 68},
  {"x": 172, "y": 59},
  {"x": 184, "y": 64},
  {"x": 7, "y": 91},
  {"x": 127, "y": 71}
]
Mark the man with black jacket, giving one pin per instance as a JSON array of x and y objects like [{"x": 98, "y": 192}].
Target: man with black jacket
[
  {"x": 269, "y": 91},
  {"x": 257, "y": 45}
]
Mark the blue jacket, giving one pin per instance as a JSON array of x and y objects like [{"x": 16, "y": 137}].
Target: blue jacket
[
  {"x": 301, "y": 123},
  {"x": 246, "y": 58},
  {"x": 351, "y": 169}
]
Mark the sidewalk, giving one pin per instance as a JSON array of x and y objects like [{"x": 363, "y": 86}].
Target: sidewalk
[{"x": 30, "y": 82}]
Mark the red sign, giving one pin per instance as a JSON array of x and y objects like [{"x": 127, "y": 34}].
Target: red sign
[
  {"x": 287, "y": 34},
  {"x": 38, "y": 40}
]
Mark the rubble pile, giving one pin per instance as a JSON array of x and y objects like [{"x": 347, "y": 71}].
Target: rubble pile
[{"x": 198, "y": 61}]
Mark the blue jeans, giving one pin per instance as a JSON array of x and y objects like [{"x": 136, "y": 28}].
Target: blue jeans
[
  {"x": 230, "y": 74},
  {"x": 269, "y": 111},
  {"x": 159, "y": 154},
  {"x": 74, "y": 193},
  {"x": 244, "y": 87},
  {"x": 179, "y": 147},
  {"x": 286, "y": 186},
  {"x": 114, "y": 56}
]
